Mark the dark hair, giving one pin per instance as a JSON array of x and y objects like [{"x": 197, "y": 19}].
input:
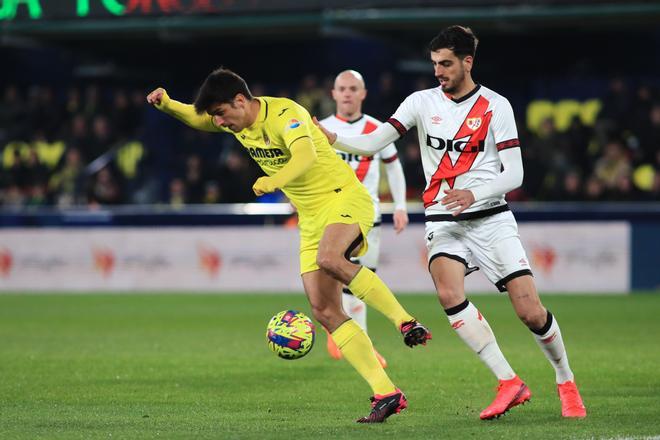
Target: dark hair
[
  {"x": 459, "y": 39},
  {"x": 221, "y": 86}
]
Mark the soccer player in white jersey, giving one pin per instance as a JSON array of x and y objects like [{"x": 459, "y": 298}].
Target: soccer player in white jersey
[
  {"x": 471, "y": 158},
  {"x": 349, "y": 92}
]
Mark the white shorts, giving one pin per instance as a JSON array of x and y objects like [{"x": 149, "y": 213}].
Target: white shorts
[
  {"x": 491, "y": 244},
  {"x": 370, "y": 259}
]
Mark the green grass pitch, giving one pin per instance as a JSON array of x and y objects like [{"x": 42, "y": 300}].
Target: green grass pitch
[{"x": 198, "y": 366}]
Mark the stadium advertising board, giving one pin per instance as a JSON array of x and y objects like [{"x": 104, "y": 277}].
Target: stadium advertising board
[{"x": 565, "y": 257}]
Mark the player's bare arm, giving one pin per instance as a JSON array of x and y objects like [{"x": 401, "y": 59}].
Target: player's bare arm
[
  {"x": 397, "y": 184},
  {"x": 457, "y": 200},
  {"x": 400, "y": 220}
]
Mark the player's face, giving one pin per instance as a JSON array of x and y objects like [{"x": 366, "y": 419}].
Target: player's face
[
  {"x": 348, "y": 93},
  {"x": 450, "y": 70},
  {"x": 231, "y": 115}
]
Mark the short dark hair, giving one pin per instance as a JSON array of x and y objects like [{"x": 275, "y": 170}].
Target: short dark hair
[
  {"x": 459, "y": 39},
  {"x": 221, "y": 86}
]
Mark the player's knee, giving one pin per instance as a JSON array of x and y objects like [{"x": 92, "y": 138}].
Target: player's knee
[
  {"x": 449, "y": 295},
  {"x": 328, "y": 263},
  {"x": 533, "y": 318}
]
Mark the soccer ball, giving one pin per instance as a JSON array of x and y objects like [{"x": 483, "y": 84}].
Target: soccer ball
[{"x": 290, "y": 334}]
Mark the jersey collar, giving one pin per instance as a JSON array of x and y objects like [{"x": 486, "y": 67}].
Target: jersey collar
[
  {"x": 347, "y": 121},
  {"x": 465, "y": 97},
  {"x": 263, "y": 110}
]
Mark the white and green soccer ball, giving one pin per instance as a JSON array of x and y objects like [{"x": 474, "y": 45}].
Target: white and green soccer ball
[{"x": 290, "y": 334}]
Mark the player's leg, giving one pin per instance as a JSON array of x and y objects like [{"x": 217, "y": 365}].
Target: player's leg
[
  {"x": 449, "y": 257},
  {"x": 544, "y": 326},
  {"x": 324, "y": 294},
  {"x": 468, "y": 322},
  {"x": 353, "y": 306},
  {"x": 356, "y": 309},
  {"x": 339, "y": 242}
]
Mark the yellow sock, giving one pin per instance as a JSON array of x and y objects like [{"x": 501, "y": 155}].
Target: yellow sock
[
  {"x": 370, "y": 288},
  {"x": 356, "y": 347}
]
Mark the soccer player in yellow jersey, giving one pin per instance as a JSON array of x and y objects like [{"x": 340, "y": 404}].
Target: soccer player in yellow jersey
[{"x": 335, "y": 214}]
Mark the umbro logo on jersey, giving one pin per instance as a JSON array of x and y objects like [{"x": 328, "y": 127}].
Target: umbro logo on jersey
[
  {"x": 436, "y": 120},
  {"x": 473, "y": 123},
  {"x": 283, "y": 110}
]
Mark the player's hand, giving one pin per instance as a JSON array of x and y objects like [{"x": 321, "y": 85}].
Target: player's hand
[
  {"x": 264, "y": 185},
  {"x": 400, "y": 218},
  {"x": 457, "y": 200},
  {"x": 158, "y": 97},
  {"x": 332, "y": 137}
]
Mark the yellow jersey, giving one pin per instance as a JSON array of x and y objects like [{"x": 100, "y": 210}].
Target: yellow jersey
[{"x": 280, "y": 122}]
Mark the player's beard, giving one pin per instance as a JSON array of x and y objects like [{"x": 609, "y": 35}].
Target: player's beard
[{"x": 452, "y": 86}]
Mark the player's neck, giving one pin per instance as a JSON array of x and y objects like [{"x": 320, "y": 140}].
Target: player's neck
[
  {"x": 255, "y": 106},
  {"x": 467, "y": 87},
  {"x": 346, "y": 117}
]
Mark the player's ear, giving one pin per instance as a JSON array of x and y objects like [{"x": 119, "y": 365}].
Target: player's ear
[
  {"x": 239, "y": 100},
  {"x": 467, "y": 63}
]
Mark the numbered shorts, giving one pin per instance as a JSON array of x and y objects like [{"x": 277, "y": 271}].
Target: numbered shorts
[
  {"x": 491, "y": 244},
  {"x": 348, "y": 205}
]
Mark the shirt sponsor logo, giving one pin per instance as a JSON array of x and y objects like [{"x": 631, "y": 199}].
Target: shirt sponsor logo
[
  {"x": 265, "y": 152},
  {"x": 293, "y": 123},
  {"x": 455, "y": 144}
]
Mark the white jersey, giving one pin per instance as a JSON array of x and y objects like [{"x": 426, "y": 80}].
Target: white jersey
[
  {"x": 459, "y": 141},
  {"x": 367, "y": 168}
]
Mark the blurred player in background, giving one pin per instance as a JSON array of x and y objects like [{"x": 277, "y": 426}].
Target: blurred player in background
[
  {"x": 349, "y": 92},
  {"x": 335, "y": 212},
  {"x": 471, "y": 157}
]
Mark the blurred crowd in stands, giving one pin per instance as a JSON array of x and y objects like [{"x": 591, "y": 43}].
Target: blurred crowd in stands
[{"x": 94, "y": 146}]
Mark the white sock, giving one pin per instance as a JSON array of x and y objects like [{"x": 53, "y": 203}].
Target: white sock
[
  {"x": 473, "y": 329},
  {"x": 552, "y": 344},
  {"x": 355, "y": 308}
]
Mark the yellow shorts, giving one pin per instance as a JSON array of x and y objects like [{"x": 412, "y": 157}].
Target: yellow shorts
[{"x": 349, "y": 205}]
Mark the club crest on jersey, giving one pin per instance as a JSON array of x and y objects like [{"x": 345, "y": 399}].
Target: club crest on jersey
[
  {"x": 473, "y": 123},
  {"x": 293, "y": 123}
]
